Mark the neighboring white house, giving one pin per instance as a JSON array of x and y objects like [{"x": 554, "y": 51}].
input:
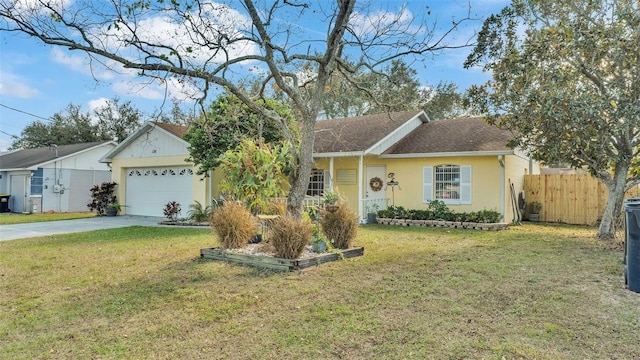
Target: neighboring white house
[
  {"x": 151, "y": 170},
  {"x": 54, "y": 178}
]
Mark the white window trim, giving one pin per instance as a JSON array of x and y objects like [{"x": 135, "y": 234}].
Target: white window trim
[{"x": 466, "y": 192}]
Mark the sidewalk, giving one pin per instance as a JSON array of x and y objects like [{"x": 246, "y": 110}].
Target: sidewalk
[{"x": 28, "y": 230}]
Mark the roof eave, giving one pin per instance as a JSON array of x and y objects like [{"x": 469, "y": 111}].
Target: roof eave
[
  {"x": 338, "y": 154},
  {"x": 448, "y": 154}
]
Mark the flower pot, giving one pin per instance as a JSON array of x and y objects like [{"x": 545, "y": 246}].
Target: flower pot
[
  {"x": 319, "y": 246},
  {"x": 331, "y": 208},
  {"x": 534, "y": 217},
  {"x": 111, "y": 212},
  {"x": 371, "y": 218},
  {"x": 256, "y": 239}
]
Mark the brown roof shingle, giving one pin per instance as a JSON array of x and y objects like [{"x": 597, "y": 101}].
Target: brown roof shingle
[
  {"x": 22, "y": 159},
  {"x": 356, "y": 133},
  {"x": 453, "y": 135},
  {"x": 177, "y": 130}
]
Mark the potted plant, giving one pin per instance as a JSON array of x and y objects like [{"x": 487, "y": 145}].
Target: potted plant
[
  {"x": 372, "y": 211},
  {"x": 103, "y": 198},
  {"x": 114, "y": 209},
  {"x": 319, "y": 241},
  {"x": 533, "y": 209},
  {"x": 330, "y": 200}
]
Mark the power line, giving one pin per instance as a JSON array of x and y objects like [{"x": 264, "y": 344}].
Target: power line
[
  {"x": 24, "y": 112},
  {"x": 6, "y": 133}
]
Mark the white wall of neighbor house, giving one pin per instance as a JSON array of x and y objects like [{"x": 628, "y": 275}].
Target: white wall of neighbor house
[
  {"x": 67, "y": 190},
  {"x": 87, "y": 160}
]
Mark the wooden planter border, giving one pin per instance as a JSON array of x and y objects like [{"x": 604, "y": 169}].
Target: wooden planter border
[
  {"x": 274, "y": 263},
  {"x": 440, "y": 223}
]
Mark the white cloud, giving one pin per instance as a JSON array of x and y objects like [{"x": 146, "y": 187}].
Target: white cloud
[
  {"x": 16, "y": 86},
  {"x": 98, "y": 103},
  {"x": 154, "y": 90},
  {"x": 82, "y": 64},
  {"x": 380, "y": 21}
]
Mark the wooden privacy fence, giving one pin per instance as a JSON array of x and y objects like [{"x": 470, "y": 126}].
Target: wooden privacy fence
[{"x": 571, "y": 199}]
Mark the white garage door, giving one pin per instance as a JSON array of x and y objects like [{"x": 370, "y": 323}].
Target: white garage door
[{"x": 148, "y": 190}]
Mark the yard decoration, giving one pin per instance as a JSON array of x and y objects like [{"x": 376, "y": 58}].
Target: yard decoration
[
  {"x": 102, "y": 197},
  {"x": 376, "y": 184}
]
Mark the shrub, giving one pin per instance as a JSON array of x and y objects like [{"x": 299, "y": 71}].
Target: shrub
[
  {"x": 233, "y": 224},
  {"x": 341, "y": 226},
  {"x": 199, "y": 213},
  {"x": 171, "y": 210},
  {"x": 102, "y": 197},
  {"x": 276, "y": 207},
  {"x": 289, "y": 236}
]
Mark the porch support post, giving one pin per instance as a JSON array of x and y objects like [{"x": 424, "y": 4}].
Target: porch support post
[
  {"x": 331, "y": 173},
  {"x": 360, "y": 187}
]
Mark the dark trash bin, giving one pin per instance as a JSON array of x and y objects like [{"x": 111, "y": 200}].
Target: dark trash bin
[
  {"x": 632, "y": 244},
  {"x": 4, "y": 203}
]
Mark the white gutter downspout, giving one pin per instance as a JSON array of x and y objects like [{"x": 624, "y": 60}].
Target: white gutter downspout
[
  {"x": 360, "y": 188},
  {"x": 502, "y": 187}
]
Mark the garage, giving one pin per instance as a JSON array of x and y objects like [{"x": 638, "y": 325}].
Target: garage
[{"x": 148, "y": 190}]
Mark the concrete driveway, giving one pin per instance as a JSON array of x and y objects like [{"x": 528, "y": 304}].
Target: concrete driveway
[{"x": 21, "y": 231}]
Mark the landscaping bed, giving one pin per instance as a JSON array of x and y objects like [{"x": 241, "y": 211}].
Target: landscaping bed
[
  {"x": 183, "y": 223},
  {"x": 442, "y": 223},
  {"x": 273, "y": 263}
]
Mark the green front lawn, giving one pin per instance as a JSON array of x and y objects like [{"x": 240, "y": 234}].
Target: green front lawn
[
  {"x": 538, "y": 292},
  {"x": 8, "y": 218}
]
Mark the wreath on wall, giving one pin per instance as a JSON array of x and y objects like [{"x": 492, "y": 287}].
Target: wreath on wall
[{"x": 375, "y": 183}]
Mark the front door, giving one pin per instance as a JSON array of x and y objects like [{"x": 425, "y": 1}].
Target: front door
[
  {"x": 18, "y": 192},
  {"x": 375, "y": 188}
]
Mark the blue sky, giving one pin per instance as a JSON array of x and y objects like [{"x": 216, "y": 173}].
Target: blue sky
[{"x": 42, "y": 80}]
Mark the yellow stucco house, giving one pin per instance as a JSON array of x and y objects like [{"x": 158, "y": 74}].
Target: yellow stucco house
[{"x": 373, "y": 161}]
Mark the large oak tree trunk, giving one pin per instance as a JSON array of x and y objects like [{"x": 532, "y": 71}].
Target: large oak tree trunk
[{"x": 299, "y": 178}]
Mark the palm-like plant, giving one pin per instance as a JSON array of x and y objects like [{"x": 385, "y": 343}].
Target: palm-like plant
[{"x": 199, "y": 213}]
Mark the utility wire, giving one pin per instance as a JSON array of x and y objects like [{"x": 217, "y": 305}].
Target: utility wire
[
  {"x": 6, "y": 133},
  {"x": 24, "y": 112}
]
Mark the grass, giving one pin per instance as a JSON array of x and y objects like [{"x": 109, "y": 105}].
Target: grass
[
  {"x": 8, "y": 218},
  {"x": 532, "y": 292}
]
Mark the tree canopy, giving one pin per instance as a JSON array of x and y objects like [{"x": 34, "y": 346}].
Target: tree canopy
[
  {"x": 225, "y": 124},
  {"x": 71, "y": 126},
  {"x": 118, "y": 120},
  {"x": 228, "y": 43},
  {"x": 566, "y": 78}
]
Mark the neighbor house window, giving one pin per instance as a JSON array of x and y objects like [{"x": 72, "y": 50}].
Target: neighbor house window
[
  {"x": 36, "y": 182},
  {"x": 448, "y": 183}
]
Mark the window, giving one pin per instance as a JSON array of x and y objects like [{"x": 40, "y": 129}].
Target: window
[
  {"x": 316, "y": 183},
  {"x": 449, "y": 183},
  {"x": 36, "y": 182}
]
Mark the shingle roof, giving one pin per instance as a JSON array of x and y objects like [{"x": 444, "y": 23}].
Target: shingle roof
[
  {"x": 356, "y": 133},
  {"x": 453, "y": 135},
  {"x": 177, "y": 130},
  {"x": 23, "y": 159}
]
